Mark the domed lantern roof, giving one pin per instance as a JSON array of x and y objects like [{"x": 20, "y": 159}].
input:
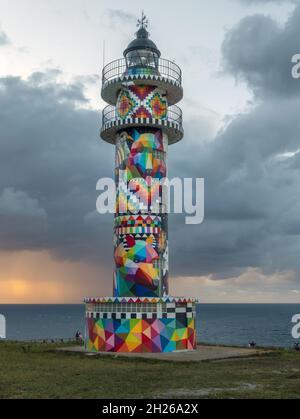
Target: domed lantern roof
[{"x": 142, "y": 41}]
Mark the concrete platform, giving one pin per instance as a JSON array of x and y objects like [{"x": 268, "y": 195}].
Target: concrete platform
[{"x": 203, "y": 353}]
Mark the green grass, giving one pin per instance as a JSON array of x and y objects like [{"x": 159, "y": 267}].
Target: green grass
[{"x": 35, "y": 371}]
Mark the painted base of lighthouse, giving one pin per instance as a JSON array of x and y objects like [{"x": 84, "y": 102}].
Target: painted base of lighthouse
[{"x": 139, "y": 325}]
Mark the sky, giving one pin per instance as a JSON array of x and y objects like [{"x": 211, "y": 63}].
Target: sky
[{"x": 242, "y": 135}]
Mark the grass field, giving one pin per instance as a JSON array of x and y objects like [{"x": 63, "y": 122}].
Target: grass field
[{"x": 35, "y": 371}]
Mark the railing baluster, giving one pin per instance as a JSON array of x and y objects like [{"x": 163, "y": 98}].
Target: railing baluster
[
  {"x": 118, "y": 67},
  {"x": 110, "y": 114}
]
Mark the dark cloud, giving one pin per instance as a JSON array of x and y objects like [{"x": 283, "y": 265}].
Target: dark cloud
[
  {"x": 4, "y": 40},
  {"x": 251, "y": 171},
  {"x": 51, "y": 159},
  {"x": 259, "y": 52},
  {"x": 252, "y": 203}
]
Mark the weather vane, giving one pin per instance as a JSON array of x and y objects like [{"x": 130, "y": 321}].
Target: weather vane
[{"x": 143, "y": 22}]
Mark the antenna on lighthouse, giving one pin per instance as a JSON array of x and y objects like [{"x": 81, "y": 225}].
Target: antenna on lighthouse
[{"x": 104, "y": 48}]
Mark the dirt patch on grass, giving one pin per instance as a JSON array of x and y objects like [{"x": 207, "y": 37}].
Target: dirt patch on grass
[{"x": 205, "y": 392}]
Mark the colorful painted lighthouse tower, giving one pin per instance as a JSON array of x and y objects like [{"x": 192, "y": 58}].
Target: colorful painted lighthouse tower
[{"x": 141, "y": 121}]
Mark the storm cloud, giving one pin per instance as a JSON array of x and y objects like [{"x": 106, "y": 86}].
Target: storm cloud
[
  {"x": 259, "y": 52},
  {"x": 51, "y": 158},
  {"x": 252, "y": 167},
  {"x": 4, "y": 40}
]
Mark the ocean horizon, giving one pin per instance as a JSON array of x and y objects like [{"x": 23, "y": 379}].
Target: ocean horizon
[{"x": 228, "y": 324}]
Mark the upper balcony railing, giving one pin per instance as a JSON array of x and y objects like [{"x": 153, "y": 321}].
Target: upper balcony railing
[
  {"x": 163, "y": 67},
  {"x": 112, "y": 124},
  {"x": 110, "y": 114}
]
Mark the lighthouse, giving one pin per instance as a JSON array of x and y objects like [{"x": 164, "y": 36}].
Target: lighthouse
[{"x": 141, "y": 121}]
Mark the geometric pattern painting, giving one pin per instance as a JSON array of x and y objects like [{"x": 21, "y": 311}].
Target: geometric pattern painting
[
  {"x": 138, "y": 224},
  {"x": 142, "y": 154},
  {"x": 139, "y": 325},
  {"x": 141, "y": 229},
  {"x": 139, "y": 71},
  {"x": 137, "y": 273},
  {"x": 125, "y": 105},
  {"x": 166, "y": 303},
  {"x": 140, "y": 336},
  {"x": 140, "y": 101}
]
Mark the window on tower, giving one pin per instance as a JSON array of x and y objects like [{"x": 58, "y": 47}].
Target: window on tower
[{"x": 142, "y": 58}]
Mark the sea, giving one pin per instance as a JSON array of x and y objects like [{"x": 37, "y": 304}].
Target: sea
[{"x": 268, "y": 325}]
